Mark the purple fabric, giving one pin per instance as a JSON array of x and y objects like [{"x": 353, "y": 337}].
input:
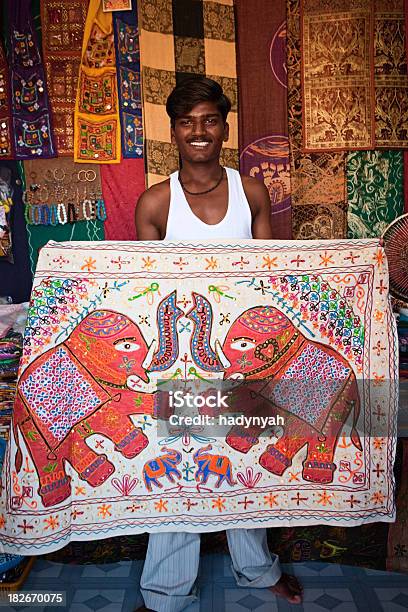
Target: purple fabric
[{"x": 32, "y": 128}]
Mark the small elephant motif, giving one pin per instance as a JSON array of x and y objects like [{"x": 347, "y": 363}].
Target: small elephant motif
[
  {"x": 164, "y": 465},
  {"x": 212, "y": 465}
]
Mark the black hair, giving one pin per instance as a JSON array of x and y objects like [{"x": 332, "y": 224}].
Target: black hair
[{"x": 193, "y": 90}]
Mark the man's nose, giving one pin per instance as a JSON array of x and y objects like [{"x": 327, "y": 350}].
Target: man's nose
[{"x": 198, "y": 128}]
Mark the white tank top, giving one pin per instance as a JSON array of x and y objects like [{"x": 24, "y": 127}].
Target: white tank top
[{"x": 183, "y": 224}]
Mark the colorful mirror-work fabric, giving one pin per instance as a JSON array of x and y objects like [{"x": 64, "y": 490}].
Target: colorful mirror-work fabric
[
  {"x": 129, "y": 86},
  {"x": 374, "y": 191},
  {"x": 6, "y": 141},
  {"x": 32, "y": 130},
  {"x": 109, "y": 320},
  {"x": 96, "y": 121},
  {"x": 62, "y": 24}
]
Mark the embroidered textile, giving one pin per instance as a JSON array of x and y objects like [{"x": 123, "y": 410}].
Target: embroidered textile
[
  {"x": 128, "y": 73},
  {"x": 390, "y": 72},
  {"x": 406, "y": 152},
  {"x": 6, "y": 142},
  {"x": 20, "y": 268},
  {"x": 317, "y": 179},
  {"x": 319, "y": 221},
  {"x": 61, "y": 191},
  {"x": 29, "y": 99},
  {"x": 337, "y": 68},
  {"x": 6, "y": 202},
  {"x": 354, "y": 75},
  {"x": 263, "y": 120},
  {"x": 281, "y": 311},
  {"x": 63, "y": 25},
  {"x": 122, "y": 184},
  {"x": 96, "y": 119},
  {"x": 179, "y": 38},
  {"x": 374, "y": 191}
]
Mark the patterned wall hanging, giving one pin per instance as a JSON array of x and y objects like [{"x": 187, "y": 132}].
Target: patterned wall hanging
[
  {"x": 6, "y": 202},
  {"x": 263, "y": 118},
  {"x": 63, "y": 23},
  {"x": 390, "y": 74},
  {"x": 122, "y": 185},
  {"x": 318, "y": 183},
  {"x": 32, "y": 130},
  {"x": 179, "y": 38},
  {"x": 406, "y": 152},
  {"x": 60, "y": 191},
  {"x": 6, "y": 141},
  {"x": 337, "y": 74},
  {"x": 108, "y": 320},
  {"x": 128, "y": 73},
  {"x": 96, "y": 119},
  {"x": 354, "y": 75},
  {"x": 16, "y": 279},
  {"x": 374, "y": 191}
]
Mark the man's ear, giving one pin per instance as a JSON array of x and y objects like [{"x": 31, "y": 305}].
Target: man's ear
[
  {"x": 226, "y": 132},
  {"x": 173, "y": 137}
]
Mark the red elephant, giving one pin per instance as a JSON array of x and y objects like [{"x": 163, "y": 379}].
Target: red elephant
[
  {"x": 309, "y": 383},
  {"x": 89, "y": 384}
]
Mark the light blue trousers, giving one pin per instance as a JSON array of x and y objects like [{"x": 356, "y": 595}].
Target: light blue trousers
[{"x": 171, "y": 566}]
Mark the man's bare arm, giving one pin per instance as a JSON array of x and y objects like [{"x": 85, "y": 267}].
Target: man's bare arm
[
  {"x": 151, "y": 212},
  {"x": 260, "y": 204}
]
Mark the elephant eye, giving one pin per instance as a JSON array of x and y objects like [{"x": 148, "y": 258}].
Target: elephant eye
[
  {"x": 242, "y": 344},
  {"x": 127, "y": 346}
]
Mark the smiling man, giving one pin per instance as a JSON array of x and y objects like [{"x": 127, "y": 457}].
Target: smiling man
[{"x": 205, "y": 201}]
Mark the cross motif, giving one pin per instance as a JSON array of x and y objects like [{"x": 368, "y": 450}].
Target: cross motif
[
  {"x": 297, "y": 261},
  {"x": 352, "y": 257},
  {"x": 381, "y": 287},
  {"x": 352, "y": 501},
  {"x": 378, "y": 471},
  {"x": 299, "y": 499},
  {"x": 25, "y": 526},
  {"x": 246, "y": 502}
]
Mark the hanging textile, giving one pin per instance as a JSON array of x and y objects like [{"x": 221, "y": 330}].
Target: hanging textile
[
  {"x": 128, "y": 74},
  {"x": 96, "y": 119},
  {"x": 32, "y": 132},
  {"x": 263, "y": 119},
  {"x": 122, "y": 184},
  {"x": 137, "y": 314},
  {"x": 319, "y": 221},
  {"x": 6, "y": 141},
  {"x": 390, "y": 74},
  {"x": 337, "y": 70},
  {"x": 6, "y": 202},
  {"x": 318, "y": 184},
  {"x": 63, "y": 23},
  {"x": 354, "y": 75},
  {"x": 39, "y": 235},
  {"x": 178, "y": 39},
  {"x": 16, "y": 277},
  {"x": 406, "y": 152},
  {"x": 374, "y": 191},
  {"x": 157, "y": 66},
  {"x": 60, "y": 191}
]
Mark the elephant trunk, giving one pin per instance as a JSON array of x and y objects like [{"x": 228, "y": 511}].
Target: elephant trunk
[
  {"x": 168, "y": 313},
  {"x": 201, "y": 351}
]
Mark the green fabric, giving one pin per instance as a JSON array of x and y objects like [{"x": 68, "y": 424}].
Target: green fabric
[
  {"x": 39, "y": 235},
  {"x": 374, "y": 191}
]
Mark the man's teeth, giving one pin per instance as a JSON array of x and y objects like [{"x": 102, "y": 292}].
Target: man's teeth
[{"x": 199, "y": 144}]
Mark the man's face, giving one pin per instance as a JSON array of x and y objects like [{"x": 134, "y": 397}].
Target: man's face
[{"x": 200, "y": 133}]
